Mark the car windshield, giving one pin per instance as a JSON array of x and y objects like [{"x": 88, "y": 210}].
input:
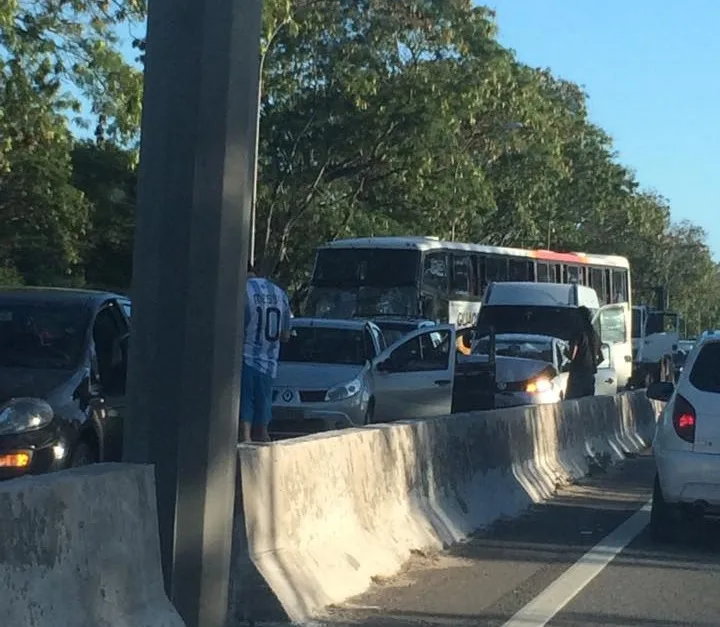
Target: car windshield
[
  {"x": 520, "y": 347},
  {"x": 393, "y": 331},
  {"x": 41, "y": 336},
  {"x": 326, "y": 345}
]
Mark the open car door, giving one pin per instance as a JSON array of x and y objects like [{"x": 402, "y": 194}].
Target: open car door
[
  {"x": 610, "y": 322},
  {"x": 606, "y": 377},
  {"x": 413, "y": 378}
]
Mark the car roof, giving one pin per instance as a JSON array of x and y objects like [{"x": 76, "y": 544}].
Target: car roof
[
  {"x": 56, "y": 295},
  {"x": 332, "y": 323}
]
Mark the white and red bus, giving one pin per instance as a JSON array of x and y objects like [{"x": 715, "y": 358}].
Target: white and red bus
[{"x": 425, "y": 277}]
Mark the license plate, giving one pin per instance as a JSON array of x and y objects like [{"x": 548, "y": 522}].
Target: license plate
[{"x": 287, "y": 413}]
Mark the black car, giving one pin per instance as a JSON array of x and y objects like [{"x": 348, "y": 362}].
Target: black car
[{"x": 63, "y": 366}]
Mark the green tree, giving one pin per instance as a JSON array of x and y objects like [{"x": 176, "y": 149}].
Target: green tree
[
  {"x": 106, "y": 176},
  {"x": 74, "y": 48},
  {"x": 43, "y": 216}
]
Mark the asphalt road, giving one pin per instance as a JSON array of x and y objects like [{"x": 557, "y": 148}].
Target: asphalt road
[{"x": 583, "y": 558}]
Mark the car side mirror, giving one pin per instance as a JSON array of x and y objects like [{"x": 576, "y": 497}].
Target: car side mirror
[{"x": 660, "y": 391}]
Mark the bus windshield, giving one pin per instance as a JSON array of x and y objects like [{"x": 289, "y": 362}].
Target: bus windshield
[
  {"x": 374, "y": 267},
  {"x": 367, "y": 302},
  {"x": 364, "y": 282}
]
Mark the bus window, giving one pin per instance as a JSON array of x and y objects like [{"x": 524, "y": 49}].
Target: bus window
[
  {"x": 620, "y": 286},
  {"x": 572, "y": 274},
  {"x": 461, "y": 281},
  {"x": 435, "y": 275},
  {"x": 480, "y": 274},
  {"x": 607, "y": 295},
  {"x": 583, "y": 275},
  {"x": 543, "y": 273},
  {"x": 597, "y": 282},
  {"x": 556, "y": 272},
  {"x": 519, "y": 270},
  {"x": 496, "y": 268}
]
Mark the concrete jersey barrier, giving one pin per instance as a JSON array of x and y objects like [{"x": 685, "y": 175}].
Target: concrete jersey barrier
[
  {"x": 323, "y": 515},
  {"x": 80, "y": 547}
]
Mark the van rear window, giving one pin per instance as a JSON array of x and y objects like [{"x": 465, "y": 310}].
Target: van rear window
[{"x": 705, "y": 375}]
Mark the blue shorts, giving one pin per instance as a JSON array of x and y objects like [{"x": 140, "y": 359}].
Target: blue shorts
[{"x": 256, "y": 397}]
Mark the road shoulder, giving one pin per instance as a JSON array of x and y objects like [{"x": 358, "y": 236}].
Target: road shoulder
[{"x": 499, "y": 570}]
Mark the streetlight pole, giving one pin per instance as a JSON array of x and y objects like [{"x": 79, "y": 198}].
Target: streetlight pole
[
  {"x": 253, "y": 208},
  {"x": 191, "y": 245}
]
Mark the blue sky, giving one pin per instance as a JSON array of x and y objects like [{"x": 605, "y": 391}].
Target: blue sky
[{"x": 652, "y": 71}]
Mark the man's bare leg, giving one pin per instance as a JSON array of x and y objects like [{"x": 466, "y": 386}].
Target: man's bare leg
[{"x": 262, "y": 434}]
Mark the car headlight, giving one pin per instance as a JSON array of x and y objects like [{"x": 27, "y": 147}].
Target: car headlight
[
  {"x": 539, "y": 385},
  {"x": 344, "y": 391},
  {"x": 24, "y": 414}
]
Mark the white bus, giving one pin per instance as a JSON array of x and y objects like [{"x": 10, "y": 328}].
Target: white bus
[{"x": 424, "y": 277}]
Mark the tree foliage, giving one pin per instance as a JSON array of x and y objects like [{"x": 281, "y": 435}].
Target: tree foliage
[{"x": 377, "y": 117}]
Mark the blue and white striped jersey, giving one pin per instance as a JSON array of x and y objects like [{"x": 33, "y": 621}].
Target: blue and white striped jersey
[{"x": 267, "y": 315}]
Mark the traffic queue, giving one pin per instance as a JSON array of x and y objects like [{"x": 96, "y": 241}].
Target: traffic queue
[
  {"x": 64, "y": 355},
  {"x": 390, "y": 329}
]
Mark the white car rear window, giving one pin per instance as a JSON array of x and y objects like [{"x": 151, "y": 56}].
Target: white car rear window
[{"x": 705, "y": 375}]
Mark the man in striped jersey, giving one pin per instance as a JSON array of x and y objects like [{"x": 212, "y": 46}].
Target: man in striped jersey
[{"x": 267, "y": 323}]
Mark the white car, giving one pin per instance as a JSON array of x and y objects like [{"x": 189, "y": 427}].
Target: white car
[{"x": 687, "y": 441}]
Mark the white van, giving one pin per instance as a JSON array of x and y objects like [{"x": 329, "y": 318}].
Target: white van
[{"x": 551, "y": 309}]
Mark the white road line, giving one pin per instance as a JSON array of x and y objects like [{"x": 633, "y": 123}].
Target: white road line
[{"x": 555, "y": 597}]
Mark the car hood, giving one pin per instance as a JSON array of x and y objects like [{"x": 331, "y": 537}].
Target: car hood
[
  {"x": 559, "y": 322},
  {"x": 511, "y": 369},
  {"x": 315, "y": 376},
  {"x": 19, "y": 382}
]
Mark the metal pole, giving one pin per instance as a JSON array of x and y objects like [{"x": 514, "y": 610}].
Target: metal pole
[
  {"x": 253, "y": 209},
  {"x": 191, "y": 244}
]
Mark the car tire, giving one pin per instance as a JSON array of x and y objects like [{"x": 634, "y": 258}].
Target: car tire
[
  {"x": 84, "y": 454},
  {"x": 663, "y": 516}
]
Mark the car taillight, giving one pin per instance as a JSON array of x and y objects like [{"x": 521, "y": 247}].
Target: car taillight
[{"x": 684, "y": 419}]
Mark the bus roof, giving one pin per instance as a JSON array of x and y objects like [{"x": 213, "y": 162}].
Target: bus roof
[{"x": 433, "y": 243}]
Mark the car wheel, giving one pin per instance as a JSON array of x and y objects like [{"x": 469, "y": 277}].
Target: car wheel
[
  {"x": 84, "y": 454},
  {"x": 663, "y": 518}
]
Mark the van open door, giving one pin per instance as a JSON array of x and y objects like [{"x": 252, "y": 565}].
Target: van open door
[{"x": 611, "y": 323}]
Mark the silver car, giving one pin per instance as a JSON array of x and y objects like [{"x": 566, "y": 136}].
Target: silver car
[{"x": 337, "y": 373}]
